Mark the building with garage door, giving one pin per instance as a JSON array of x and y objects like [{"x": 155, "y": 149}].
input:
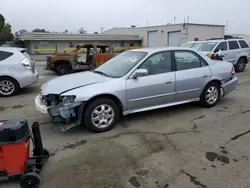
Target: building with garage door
[
  {"x": 172, "y": 35},
  {"x": 44, "y": 43}
]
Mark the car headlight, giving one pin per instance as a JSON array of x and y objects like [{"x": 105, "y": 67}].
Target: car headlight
[{"x": 67, "y": 100}]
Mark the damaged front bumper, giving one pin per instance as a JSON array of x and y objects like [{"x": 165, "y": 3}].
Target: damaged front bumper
[{"x": 70, "y": 114}]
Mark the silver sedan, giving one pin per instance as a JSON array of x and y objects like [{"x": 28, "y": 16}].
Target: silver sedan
[{"x": 135, "y": 81}]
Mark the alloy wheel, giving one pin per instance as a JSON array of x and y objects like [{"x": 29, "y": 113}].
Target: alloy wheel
[
  {"x": 103, "y": 116},
  {"x": 241, "y": 65},
  {"x": 212, "y": 94},
  {"x": 6, "y": 87}
]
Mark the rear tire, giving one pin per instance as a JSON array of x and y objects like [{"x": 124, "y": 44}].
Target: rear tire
[
  {"x": 241, "y": 65},
  {"x": 210, "y": 95},
  {"x": 101, "y": 115},
  {"x": 10, "y": 84}
]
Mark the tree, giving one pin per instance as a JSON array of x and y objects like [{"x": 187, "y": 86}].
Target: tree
[
  {"x": 18, "y": 33},
  {"x": 5, "y": 31},
  {"x": 2, "y": 21},
  {"x": 40, "y": 30},
  {"x": 65, "y": 31},
  {"x": 95, "y": 32},
  {"x": 82, "y": 31}
]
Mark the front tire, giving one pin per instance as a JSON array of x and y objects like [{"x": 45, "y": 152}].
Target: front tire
[
  {"x": 241, "y": 65},
  {"x": 63, "y": 70},
  {"x": 210, "y": 95},
  {"x": 8, "y": 87},
  {"x": 101, "y": 115}
]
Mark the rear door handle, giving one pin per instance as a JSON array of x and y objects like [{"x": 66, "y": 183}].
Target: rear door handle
[
  {"x": 168, "y": 82},
  {"x": 204, "y": 76}
]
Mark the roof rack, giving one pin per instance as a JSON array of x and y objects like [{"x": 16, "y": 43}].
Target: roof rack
[{"x": 225, "y": 38}]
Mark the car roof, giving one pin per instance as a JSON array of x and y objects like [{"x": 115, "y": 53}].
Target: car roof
[
  {"x": 11, "y": 49},
  {"x": 159, "y": 49}
]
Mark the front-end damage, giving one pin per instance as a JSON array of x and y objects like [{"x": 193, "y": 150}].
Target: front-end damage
[{"x": 64, "y": 108}]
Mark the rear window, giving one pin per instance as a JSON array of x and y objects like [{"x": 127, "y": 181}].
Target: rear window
[
  {"x": 233, "y": 45},
  {"x": 243, "y": 44},
  {"x": 26, "y": 55},
  {"x": 4, "y": 55}
]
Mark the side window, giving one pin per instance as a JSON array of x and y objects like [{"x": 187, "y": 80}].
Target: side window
[
  {"x": 4, "y": 55},
  {"x": 233, "y": 45},
  {"x": 187, "y": 60},
  {"x": 158, "y": 63},
  {"x": 243, "y": 44},
  {"x": 222, "y": 46},
  {"x": 203, "y": 63}
]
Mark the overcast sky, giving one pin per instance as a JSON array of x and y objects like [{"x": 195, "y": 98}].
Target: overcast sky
[{"x": 58, "y": 15}]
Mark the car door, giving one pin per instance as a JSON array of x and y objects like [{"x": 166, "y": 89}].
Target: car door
[
  {"x": 192, "y": 74},
  {"x": 222, "y": 49},
  {"x": 233, "y": 51},
  {"x": 156, "y": 88}
]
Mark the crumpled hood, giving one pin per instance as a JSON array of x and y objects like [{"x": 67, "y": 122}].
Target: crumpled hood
[{"x": 66, "y": 83}]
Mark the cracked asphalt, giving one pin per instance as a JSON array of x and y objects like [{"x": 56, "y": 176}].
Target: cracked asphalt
[{"x": 182, "y": 146}]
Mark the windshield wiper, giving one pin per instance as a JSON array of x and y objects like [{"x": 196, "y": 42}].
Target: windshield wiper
[{"x": 101, "y": 73}]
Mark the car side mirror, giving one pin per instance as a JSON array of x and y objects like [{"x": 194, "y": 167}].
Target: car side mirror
[{"x": 140, "y": 73}]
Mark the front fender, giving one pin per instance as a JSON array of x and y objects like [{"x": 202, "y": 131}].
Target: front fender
[{"x": 114, "y": 87}]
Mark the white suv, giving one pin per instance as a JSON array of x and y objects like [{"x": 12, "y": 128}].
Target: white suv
[{"x": 236, "y": 51}]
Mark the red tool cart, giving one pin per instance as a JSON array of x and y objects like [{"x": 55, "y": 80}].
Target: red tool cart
[{"x": 15, "y": 157}]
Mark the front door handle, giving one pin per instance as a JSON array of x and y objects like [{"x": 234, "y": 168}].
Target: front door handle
[
  {"x": 204, "y": 76},
  {"x": 168, "y": 82}
]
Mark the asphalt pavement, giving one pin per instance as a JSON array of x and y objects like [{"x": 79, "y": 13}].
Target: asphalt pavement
[{"x": 182, "y": 146}]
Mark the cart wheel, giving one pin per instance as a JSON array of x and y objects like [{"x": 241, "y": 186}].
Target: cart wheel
[
  {"x": 30, "y": 180},
  {"x": 46, "y": 153}
]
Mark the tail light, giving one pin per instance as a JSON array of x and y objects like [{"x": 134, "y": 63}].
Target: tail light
[
  {"x": 233, "y": 70},
  {"x": 26, "y": 63}
]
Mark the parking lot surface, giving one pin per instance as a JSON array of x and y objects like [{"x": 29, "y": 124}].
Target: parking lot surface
[{"x": 182, "y": 146}]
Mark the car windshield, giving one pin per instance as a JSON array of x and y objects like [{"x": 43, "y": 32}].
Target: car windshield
[
  {"x": 188, "y": 45},
  {"x": 119, "y": 65},
  {"x": 204, "y": 46}
]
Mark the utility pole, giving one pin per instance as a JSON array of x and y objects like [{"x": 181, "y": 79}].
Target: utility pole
[
  {"x": 174, "y": 19},
  {"x": 226, "y": 28},
  {"x": 101, "y": 29}
]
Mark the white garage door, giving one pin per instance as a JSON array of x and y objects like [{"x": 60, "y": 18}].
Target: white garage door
[
  {"x": 174, "y": 39},
  {"x": 152, "y": 39}
]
